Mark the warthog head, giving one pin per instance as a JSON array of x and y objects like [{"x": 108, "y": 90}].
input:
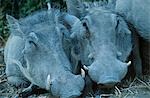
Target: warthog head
[
  {"x": 104, "y": 43},
  {"x": 47, "y": 65}
]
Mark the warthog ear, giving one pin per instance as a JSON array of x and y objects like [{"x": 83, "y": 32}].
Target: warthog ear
[
  {"x": 123, "y": 39},
  {"x": 86, "y": 25},
  {"x": 75, "y": 7},
  {"x": 14, "y": 26},
  {"x": 77, "y": 28},
  {"x": 81, "y": 29}
]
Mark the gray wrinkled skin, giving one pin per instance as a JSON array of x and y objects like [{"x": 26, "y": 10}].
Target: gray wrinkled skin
[
  {"x": 136, "y": 12},
  {"x": 42, "y": 50},
  {"x": 104, "y": 45},
  {"x": 14, "y": 75}
]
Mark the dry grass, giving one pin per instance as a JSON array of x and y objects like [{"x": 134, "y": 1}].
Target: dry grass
[{"x": 138, "y": 88}]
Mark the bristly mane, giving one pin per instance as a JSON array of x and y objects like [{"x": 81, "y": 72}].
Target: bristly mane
[
  {"x": 39, "y": 17},
  {"x": 89, "y": 5},
  {"x": 106, "y": 4}
]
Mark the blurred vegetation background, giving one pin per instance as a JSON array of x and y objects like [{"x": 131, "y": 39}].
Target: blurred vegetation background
[
  {"x": 22, "y": 8},
  {"x": 19, "y": 8}
]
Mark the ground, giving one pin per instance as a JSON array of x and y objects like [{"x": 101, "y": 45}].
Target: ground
[{"x": 130, "y": 88}]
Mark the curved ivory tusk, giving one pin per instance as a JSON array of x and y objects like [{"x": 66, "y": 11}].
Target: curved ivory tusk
[
  {"x": 129, "y": 63},
  {"x": 82, "y": 73},
  {"x": 48, "y": 6},
  {"x": 49, "y": 82},
  {"x": 85, "y": 67}
]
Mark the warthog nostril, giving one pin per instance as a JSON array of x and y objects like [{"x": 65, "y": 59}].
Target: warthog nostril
[
  {"x": 109, "y": 85},
  {"x": 109, "y": 81},
  {"x": 74, "y": 94}
]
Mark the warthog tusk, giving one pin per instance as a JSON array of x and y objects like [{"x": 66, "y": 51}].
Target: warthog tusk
[
  {"x": 129, "y": 63},
  {"x": 85, "y": 67},
  {"x": 49, "y": 6},
  {"x": 49, "y": 82},
  {"x": 82, "y": 73}
]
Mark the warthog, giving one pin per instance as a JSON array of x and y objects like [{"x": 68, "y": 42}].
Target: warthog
[
  {"x": 136, "y": 12},
  {"x": 104, "y": 43},
  {"x": 35, "y": 53}
]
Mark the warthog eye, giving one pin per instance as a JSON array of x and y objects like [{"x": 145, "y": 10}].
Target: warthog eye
[
  {"x": 32, "y": 43},
  {"x": 84, "y": 24},
  {"x": 87, "y": 33},
  {"x": 30, "y": 46}
]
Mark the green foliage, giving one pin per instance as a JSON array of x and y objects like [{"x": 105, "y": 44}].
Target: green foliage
[
  {"x": 22, "y": 8},
  {"x": 3, "y": 24},
  {"x": 17, "y": 8},
  {"x": 29, "y": 6}
]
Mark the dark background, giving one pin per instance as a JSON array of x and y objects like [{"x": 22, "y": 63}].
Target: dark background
[{"x": 22, "y": 8}]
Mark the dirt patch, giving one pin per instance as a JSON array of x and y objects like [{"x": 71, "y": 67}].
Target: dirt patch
[
  {"x": 136, "y": 88},
  {"x": 131, "y": 88}
]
